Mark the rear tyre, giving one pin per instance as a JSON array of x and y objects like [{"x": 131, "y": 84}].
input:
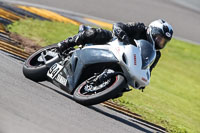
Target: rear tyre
[
  {"x": 111, "y": 90},
  {"x": 36, "y": 69}
]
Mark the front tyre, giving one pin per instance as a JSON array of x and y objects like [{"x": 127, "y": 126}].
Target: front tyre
[{"x": 88, "y": 94}]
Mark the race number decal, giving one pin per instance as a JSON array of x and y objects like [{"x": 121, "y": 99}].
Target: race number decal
[
  {"x": 61, "y": 80},
  {"x": 54, "y": 70}
]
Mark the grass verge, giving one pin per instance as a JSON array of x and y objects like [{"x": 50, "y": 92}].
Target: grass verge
[
  {"x": 43, "y": 32},
  {"x": 172, "y": 98}
]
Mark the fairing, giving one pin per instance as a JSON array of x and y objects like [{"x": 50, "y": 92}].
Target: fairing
[{"x": 79, "y": 65}]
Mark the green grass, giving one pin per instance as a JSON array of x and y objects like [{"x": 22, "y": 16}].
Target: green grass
[
  {"x": 171, "y": 100},
  {"x": 43, "y": 32}
]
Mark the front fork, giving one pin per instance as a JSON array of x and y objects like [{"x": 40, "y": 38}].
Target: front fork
[{"x": 105, "y": 76}]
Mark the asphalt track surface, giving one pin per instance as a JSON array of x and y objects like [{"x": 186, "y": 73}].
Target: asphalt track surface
[
  {"x": 29, "y": 107},
  {"x": 183, "y": 15},
  {"x": 26, "y": 106}
]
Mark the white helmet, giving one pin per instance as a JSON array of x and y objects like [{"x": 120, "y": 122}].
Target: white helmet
[{"x": 159, "y": 33}]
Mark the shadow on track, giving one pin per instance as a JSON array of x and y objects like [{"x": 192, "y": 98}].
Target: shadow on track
[
  {"x": 115, "y": 117},
  {"x": 122, "y": 120}
]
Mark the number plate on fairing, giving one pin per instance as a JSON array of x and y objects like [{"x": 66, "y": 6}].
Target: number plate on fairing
[
  {"x": 61, "y": 80},
  {"x": 54, "y": 70}
]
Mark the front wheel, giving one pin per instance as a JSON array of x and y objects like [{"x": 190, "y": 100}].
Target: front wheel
[{"x": 89, "y": 94}]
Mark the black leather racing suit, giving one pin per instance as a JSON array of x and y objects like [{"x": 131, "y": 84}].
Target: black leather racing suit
[{"x": 125, "y": 32}]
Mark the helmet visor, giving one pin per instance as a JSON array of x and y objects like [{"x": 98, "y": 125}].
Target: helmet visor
[{"x": 161, "y": 41}]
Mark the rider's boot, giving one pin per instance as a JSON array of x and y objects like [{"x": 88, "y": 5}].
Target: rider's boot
[
  {"x": 75, "y": 40},
  {"x": 86, "y": 35},
  {"x": 67, "y": 43}
]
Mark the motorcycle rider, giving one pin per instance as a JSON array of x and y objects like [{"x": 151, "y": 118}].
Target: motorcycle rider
[{"x": 159, "y": 33}]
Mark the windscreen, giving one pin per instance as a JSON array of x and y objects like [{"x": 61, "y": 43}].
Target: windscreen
[{"x": 148, "y": 54}]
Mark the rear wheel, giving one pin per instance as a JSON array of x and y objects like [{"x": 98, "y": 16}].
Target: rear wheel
[
  {"x": 37, "y": 65},
  {"x": 89, "y": 92}
]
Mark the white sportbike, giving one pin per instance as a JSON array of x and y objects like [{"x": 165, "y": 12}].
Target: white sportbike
[{"x": 94, "y": 73}]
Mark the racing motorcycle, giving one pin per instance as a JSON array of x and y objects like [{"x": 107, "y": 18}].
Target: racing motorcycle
[{"x": 93, "y": 73}]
